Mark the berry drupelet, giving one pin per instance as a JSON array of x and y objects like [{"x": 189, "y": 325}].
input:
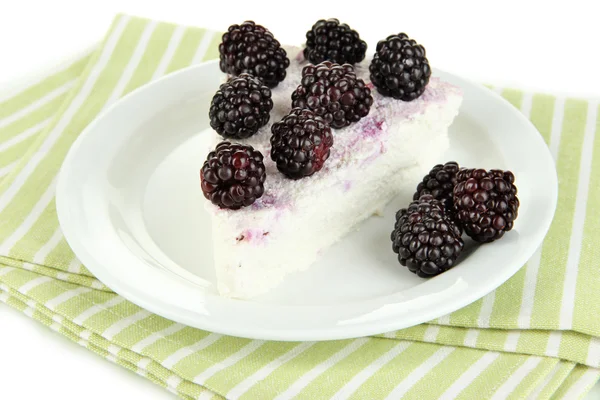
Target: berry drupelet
[
  {"x": 399, "y": 68},
  {"x": 300, "y": 143},
  {"x": 253, "y": 49},
  {"x": 425, "y": 240},
  {"x": 485, "y": 203},
  {"x": 233, "y": 176},
  {"x": 240, "y": 107},
  {"x": 334, "y": 93},
  {"x": 439, "y": 183},
  {"x": 330, "y": 40}
]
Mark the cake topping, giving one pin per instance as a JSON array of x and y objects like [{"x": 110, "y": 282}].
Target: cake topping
[
  {"x": 252, "y": 49},
  {"x": 240, "y": 107},
  {"x": 425, "y": 240},
  {"x": 233, "y": 175},
  {"x": 334, "y": 93},
  {"x": 486, "y": 202},
  {"x": 300, "y": 143},
  {"x": 439, "y": 183},
  {"x": 330, "y": 40},
  {"x": 399, "y": 68}
]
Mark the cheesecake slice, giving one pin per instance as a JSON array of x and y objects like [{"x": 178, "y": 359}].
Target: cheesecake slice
[{"x": 372, "y": 161}]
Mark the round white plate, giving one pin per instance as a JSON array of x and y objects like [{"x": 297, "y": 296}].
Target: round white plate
[{"x": 130, "y": 206}]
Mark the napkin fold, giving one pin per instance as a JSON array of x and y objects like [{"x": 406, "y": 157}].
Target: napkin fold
[{"x": 535, "y": 337}]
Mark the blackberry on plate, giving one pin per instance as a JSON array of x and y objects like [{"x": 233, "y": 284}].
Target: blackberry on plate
[
  {"x": 330, "y": 40},
  {"x": 485, "y": 203},
  {"x": 439, "y": 183},
  {"x": 253, "y": 49},
  {"x": 334, "y": 93},
  {"x": 233, "y": 175},
  {"x": 426, "y": 241},
  {"x": 240, "y": 107},
  {"x": 399, "y": 68},
  {"x": 300, "y": 143}
]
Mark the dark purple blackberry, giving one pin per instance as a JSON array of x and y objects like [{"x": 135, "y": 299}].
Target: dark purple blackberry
[
  {"x": 300, "y": 143},
  {"x": 485, "y": 203},
  {"x": 233, "y": 175},
  {"x": 399, "y": 68},
  {"x": 240, "y": 107},
  {"x": 334, "y": 93},
  {"x": 439, "y": 183},
  {"x": 252, "y": 49},
  {"x": 425, "y": 240},
  {"x": 328, "y": 40}
]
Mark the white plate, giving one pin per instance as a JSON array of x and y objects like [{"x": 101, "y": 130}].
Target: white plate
[{"x": 130, "y": 206}]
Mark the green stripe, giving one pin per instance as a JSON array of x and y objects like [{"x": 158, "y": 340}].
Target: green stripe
[
  {"x": 574, "y": 347},
  {"x": 77, "y": 305},
  {"x": 61, "y": 256},
  {"x": 141, "y": 330},
  {"x": 514, "y": 97},
  {"x": 212, "y": 51},
  {"x": 489, "y": 380},
  {"x": 338, "y": 375},
  {"x": 47, "y": 291},
  {"x": 533, "y": 342},
  {"x": 492, "y": 339},
  {"x": 283, "y": 378},
  {"x": 468, "y": 315},
  {"x": 444, "y": 375},
  {"x": 450, "y": 335},
  {"x": 588, "y": 278},
  {"x": 508, "y": 299},
  {"x": 555, "y": 250},
  {"x": 187, "y": 48},
  {"x": 564, "y": 369},
  {"x": 110, "y": 316},
  {"x": 22, "y": 204},
  {"x": 15, "y": 303},
  {"x": 38, "y": 235},
  {"x": 35, "y": 92},
  {"x": 542, "y": 111},
  {"x": 194, "y": 364},
  {"x": 35, "y": 117},
  {"x": 15, "y": 153},
  {"x": 533, "y": 379},
  {"x": 379, "y": 385},
  {"x": 226, "y": 379},
  {"x": 413, "y": 333},
  {"x": 159, "y": 40},
  {"x": 573, "y": 378},
  {"x": 194, "y": 391},
  {"x": 17, "y": 278},
  {"x": 163, "y": 348}
]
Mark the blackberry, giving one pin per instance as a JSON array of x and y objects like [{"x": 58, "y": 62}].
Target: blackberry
[
  {"x": 330, "y": 40},
  {"x": 486, "y": 203},
  {"x": 240, "y": 107},
  {"x": 253, "y": 49},
  {"x": 425, "y": 240},
  {"x": 300, "y": 143},
  {"x": 233, "y": 175},
  {"x": 334, "y": 93},
  {"x": 439, "y": 183},
  {"x": 399, "y": 68}
]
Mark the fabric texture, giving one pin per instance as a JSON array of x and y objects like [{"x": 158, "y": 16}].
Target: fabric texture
[{"x": 535, "y": 337}]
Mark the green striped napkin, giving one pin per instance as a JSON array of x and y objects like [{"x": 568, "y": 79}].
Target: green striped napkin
[{"x": 535, "y": 337}]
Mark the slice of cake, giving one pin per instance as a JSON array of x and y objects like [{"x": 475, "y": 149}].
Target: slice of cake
[{"x": 385, "y": 153}]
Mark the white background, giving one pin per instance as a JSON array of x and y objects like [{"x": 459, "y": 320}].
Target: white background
[{"x": 551, "y": 46}]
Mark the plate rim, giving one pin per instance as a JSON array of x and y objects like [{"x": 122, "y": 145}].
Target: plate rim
[{"x": 312, "y": 333}]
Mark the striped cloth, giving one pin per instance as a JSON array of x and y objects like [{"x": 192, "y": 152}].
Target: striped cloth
[{"x": 535, "y": 337}]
